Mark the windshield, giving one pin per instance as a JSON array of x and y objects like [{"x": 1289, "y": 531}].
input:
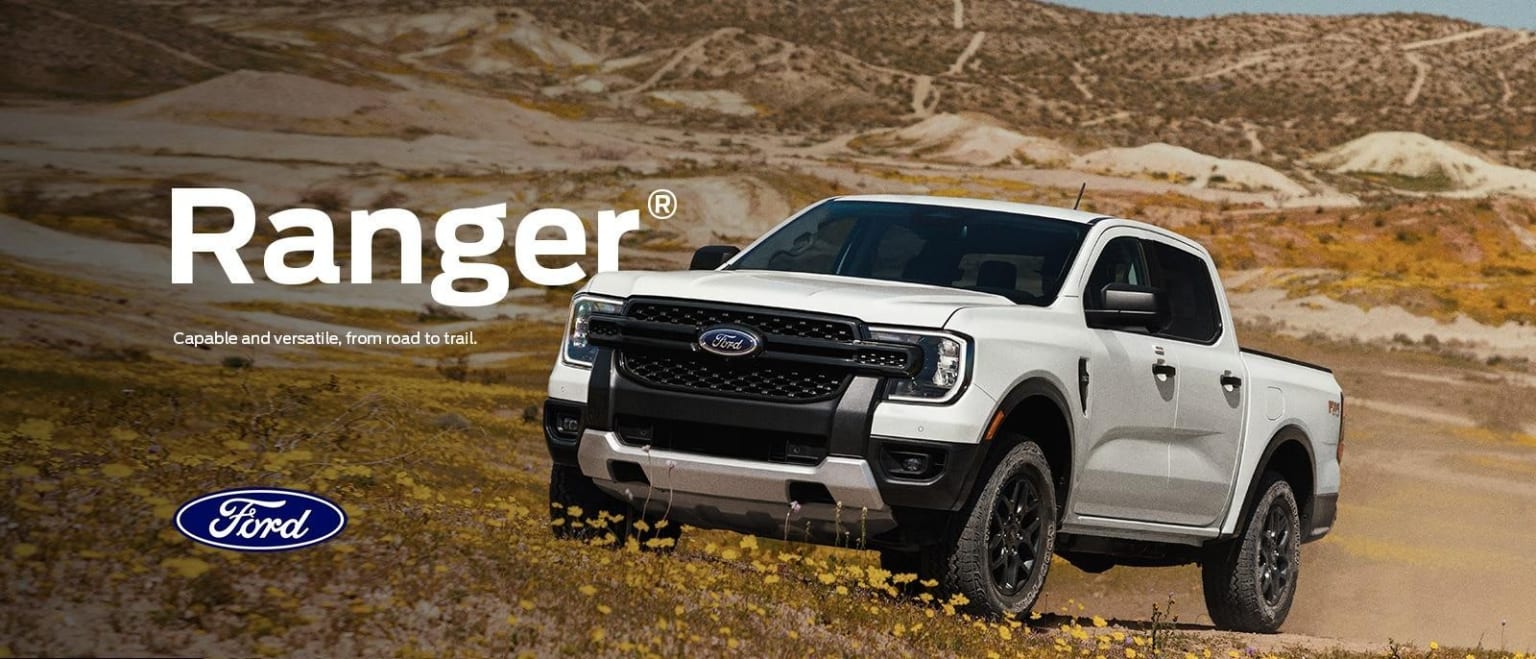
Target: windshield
[{"x": 1020, "y": 257}]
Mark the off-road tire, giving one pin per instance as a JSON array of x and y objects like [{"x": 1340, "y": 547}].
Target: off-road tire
[
  {"x": 969, "y": 561},
  {"x": 1250, "y": 581},
  {"x": 569, "y": 487},
  {"x": 919, "y": 562}
]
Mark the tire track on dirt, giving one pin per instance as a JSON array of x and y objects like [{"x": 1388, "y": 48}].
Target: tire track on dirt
[
  {"x": 970, "y": 50},
  {"x": 1418, "y": 80},
  {"x": 1440, "y": 41},
  {"x": 1079, "y": 81},
  {"x": 677, "y": 58},
  {"x": 922, "y": 87}
]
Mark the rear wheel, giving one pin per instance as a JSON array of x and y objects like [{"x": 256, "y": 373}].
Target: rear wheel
[
  {"x": 1002, "y": 552},
  {"x": 1250, "y": 581}
]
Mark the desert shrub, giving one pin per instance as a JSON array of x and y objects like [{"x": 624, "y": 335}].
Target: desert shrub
[{"x": 326, "y": 198}]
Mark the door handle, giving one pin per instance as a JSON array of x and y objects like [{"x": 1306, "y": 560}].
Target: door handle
[
  {"x": 1230, "y": 380},
  {"x": 1161, "y": 368}
]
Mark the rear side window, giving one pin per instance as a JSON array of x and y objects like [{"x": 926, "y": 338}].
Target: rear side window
[{"x": 1193, "y": 312}]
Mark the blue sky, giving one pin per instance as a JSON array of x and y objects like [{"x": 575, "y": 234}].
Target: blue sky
[{"x": 1501, "y": 13}]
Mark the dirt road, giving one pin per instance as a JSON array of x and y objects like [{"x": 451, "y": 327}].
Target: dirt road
[{"x": 1435, "y": 540}]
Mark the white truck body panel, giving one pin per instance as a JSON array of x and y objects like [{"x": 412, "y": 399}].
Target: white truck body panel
[{"x": 1164, "y": 459}]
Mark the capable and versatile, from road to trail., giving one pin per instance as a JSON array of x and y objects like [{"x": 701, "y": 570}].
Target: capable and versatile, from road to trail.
[{"x": 967, "y": 386}]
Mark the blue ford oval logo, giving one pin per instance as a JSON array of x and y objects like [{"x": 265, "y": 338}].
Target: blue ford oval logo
[
  {"x": 260, "y": 519},
  {"x": 728, "y": 341}
]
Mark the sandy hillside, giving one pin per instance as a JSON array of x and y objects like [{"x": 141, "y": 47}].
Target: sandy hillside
[
  {"x": 968, "y": 138},
  {"x": 1199, "y": 169},
  {"x": 1437, "y": 165}
]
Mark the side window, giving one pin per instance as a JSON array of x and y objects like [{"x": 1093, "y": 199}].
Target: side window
[
  {"x": 1121, "y": 262},
  {"x": 1194, "y": 314}
]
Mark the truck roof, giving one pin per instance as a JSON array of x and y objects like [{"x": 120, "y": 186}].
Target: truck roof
[{"x": 1052, "y": 212}]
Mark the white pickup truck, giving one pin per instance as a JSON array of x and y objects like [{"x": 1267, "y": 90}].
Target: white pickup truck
[{"x": 970, "y": 387}]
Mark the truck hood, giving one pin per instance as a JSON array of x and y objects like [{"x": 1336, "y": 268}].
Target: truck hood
[{"x": 871, "y": 300}]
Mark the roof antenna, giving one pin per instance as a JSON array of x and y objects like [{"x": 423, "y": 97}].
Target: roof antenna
[{"x": 1080, "y": 192}]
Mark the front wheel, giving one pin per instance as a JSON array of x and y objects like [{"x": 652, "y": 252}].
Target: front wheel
[
  {"x": 1250, "y": 580},
  {"x": 580, "y": 510},
  {"x": 575, "y": 503},
  {"x": 1003, "y": 550}
]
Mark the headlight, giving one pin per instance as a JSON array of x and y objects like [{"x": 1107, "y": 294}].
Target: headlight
[
  {"x": 945, "y": 360},
  {"x": 577, "y": 352}
]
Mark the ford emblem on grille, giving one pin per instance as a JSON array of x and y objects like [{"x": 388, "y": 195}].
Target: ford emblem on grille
[{"x": 730, "y": 341}]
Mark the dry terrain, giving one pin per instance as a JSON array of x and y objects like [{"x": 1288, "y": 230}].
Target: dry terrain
[{"x": 1365, "y": 183}]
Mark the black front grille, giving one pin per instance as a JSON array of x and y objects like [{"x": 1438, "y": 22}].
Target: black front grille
[
  {"x": 784, "y": 324},
  {"x": 749, "y": 377},
  {"x": 880, "y": 358}
]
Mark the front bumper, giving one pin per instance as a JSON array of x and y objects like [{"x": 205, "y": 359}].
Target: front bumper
[
  {"x": 823, "y": 456},
  {"x": 738, "y": 494}
]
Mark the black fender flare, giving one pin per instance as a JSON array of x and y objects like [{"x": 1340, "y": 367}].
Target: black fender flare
[
  {"x": 1287, "y": 434},
  {"x": 1030, "y": 388}
]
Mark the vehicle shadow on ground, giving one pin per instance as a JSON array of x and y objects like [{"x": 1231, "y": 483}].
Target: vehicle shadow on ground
[{"x": 1056, "y": 620}]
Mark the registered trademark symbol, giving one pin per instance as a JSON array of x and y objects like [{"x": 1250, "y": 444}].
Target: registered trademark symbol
[{"x": 662, "y": 204}]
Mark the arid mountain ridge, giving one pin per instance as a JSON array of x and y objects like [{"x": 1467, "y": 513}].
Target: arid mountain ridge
[{"x": 1261, "y": 87}]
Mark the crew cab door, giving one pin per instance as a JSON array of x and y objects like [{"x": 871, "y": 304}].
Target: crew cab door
[
  {"x": 1207, "y": 438},
  {"x": 1130, "y": 403}
]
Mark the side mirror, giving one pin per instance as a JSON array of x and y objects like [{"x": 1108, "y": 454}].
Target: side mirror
[
  {"x": 712, "y": 256},
  {"x": 1128, "y": 305}
]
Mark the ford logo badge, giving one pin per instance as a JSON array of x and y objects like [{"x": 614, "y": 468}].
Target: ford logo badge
[
  {"x": 729, "y": 341},
  {"x": 260, "y": 519}
]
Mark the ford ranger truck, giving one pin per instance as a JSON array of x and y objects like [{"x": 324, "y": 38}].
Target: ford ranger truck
[{"x": 970, "y": 387}]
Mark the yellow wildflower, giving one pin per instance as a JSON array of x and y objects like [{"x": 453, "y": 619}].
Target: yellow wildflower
[
  {"x": 190, "y": 568},
  {"x": 36, "y": 429},
  {"x": 116, "y": 470}
]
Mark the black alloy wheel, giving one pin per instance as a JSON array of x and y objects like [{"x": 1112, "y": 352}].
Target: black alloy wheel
[{"x": 1014, "y": 536}]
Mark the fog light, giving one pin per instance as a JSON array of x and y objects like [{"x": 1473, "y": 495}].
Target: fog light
[
  {"x": 914, "y": 464},
  {"x": 569, "y": 424}
]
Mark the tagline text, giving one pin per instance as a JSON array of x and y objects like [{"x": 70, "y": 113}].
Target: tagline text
[{"x": 324, "y": 338}]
